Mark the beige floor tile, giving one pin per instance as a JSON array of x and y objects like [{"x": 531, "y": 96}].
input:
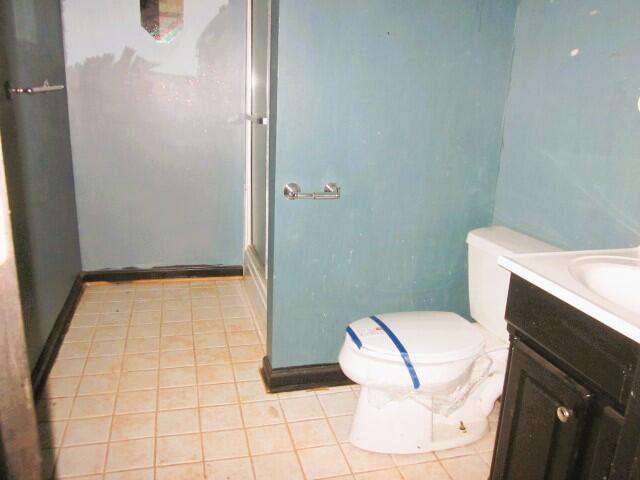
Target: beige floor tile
[
  {"x": 141, "y": 361},
  {"x": 212, "y": 356},
  {"x": 130, "y": 454},
  {"x": 208, "y": 374},
  {"x": 247, "y": 371},
  {"x": 71, "y": 367},
  {"x": 336, "y": 404},
  {"x": 386, "y": 474},
  {"x": 421, "y": 471},
  {"x": 147, "y": 305},
  {"x": 93, "y": 405},
  {"x": 179, "y": 449},
  {"x": 210, "y": 340},
  {"x": 98, "y": 365},
  {"x": 208, "y": 326},
  {"x": 205, "y": 302},
  {"x": 142, "y": 474},
  {"x": 176, "y": 422},
  {"x": 269, "y": 439},
  {"x": 341, "y": 427},
  {"x": 470, "y": 467},
  {"x": 455, "y": 452},
  {"x": 249, "y": 337},
  {"x": 262, "y": 413},
  {"x": 132, "y": 426},
  {"x": 145, "y": 317},
  {"x": 410, "y": 459},
  {"x": 52, "y": 409},
  {"x": 114, "y": 318},
  {"x": 303, "y": 408},
  {"x": 177, "y": 358},
  {"x": 217, "y": 394},
  {"x": 74, "y": 350},
  {"x": 61, "y": 387},
  {"x": 238, "y": 324},
  {"x": 246, "y": 353},
  {"x": 88, "y": 430},
  {"x": 235, "y": 312},
  {"x": 84, "y": 320},
  {"x": 199, "y": 292},
  {"x": 191, "y": 471},
  {"x": 253, "y": 391},
  {"x": 364, "y": 461},
  {"x": 142, "y": 345},
  {"x": 82, "y": 460},
  {"x": 179, "y": 305},
  {"x": 177, "y": 377},
  {"x": 139, "y": 401},
  {"x": 178, "y": 342},
  {"x": 206, "y": 314},
  {"x": 223, "y": 417},
  {"x": 144, "y": 331},
  {"x": 277, "y": 466},
  {"x": 79, "y": 334},
  {"x": 231, "y": 469},
  {"x": 232, "y": 300},
  {"x": 224, "y": 444},
  {"x": 311, "y": 433},
  {"x": 177, "y": 398},
  {"x": 110, "y": 332},
  {"x": 176, "y": 315},
  {"x": 107, "y": 348},
  {"x": 176, "y": 328},
  {"x": 138, "y": 380},
  {"x": 51, "y": 433},
  {"x": 97, "y": 384},
  {"x": 321, "y": 462}
]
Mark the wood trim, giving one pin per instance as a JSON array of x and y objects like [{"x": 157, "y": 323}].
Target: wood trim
[
  {"x": 161, "y": 273},
  {"x": 303, "y": 377},
  {"x": 51, "y": 347}
]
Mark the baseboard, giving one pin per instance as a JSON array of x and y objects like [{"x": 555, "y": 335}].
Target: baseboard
[
  {"x": 49, "y": 352},
  {"x": 160, "y": 273},
  {"x": 302, "y": 377}
]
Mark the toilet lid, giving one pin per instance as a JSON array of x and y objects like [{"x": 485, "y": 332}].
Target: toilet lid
[{"x": 428, "y": 337}]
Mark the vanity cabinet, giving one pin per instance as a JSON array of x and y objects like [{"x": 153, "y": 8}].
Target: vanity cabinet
[{"x": 569, "y": 405}]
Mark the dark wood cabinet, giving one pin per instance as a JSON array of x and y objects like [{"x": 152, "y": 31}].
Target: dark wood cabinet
[{"x": 569, "y": 407}]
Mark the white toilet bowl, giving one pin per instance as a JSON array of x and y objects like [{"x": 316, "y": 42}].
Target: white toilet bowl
[{"x": 428, "y": 380}]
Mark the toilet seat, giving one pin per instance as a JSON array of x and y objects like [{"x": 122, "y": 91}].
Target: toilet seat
[{"x": 428, "y": 337}]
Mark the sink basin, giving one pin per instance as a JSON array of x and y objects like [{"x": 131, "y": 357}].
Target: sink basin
[{"x": 614, "y": 278}]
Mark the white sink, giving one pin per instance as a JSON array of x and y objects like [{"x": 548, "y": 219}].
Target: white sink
[{"x": 615, "y": 278}]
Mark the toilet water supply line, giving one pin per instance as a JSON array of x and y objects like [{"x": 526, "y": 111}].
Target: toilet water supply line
[{"x": 443, "y": 404}]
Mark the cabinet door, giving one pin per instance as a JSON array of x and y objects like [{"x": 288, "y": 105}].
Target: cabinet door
[{"x": 541, "y": 421}]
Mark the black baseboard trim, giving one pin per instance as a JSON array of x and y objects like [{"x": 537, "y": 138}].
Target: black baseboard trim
[
  {"x": 160, "y": 273},
  {"x": 41, "y": 370},
  {"x": 303, "y": 377}
]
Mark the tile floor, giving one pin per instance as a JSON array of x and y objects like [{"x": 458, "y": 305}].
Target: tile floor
[{"x": 161, "y": 381}]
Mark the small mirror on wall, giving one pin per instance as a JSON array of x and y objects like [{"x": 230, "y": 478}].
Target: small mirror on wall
[{"x": 163, "y": 19}]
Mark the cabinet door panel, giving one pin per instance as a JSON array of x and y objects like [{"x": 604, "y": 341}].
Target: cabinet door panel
[{"x": 533, "y": 443}]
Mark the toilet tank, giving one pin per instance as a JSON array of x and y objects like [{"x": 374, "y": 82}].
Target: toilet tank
[{"x": 488, "y": 282}]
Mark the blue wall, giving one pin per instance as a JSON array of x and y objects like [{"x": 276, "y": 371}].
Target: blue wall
[
  {"x": 157, "y": 132},
  {"x": 570, "y": 166},
  {"x": 39, "y": 171},
  {"x": 401, "y": 103}
]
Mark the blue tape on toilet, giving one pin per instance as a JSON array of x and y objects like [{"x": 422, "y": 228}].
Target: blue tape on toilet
[
  {"x": 403, "y": 351},
  {"x": 354, "y": 337}
]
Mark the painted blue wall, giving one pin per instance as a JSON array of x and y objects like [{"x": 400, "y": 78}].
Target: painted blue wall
[
  {"x": 157, "y": 131},
  {"x": 39, "y": 171},
  {"x": 401, "y": 103},
  {"x": 570, "y": 166}
]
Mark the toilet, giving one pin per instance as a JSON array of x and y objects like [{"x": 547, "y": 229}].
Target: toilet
[{"x": 430, "y": 379}]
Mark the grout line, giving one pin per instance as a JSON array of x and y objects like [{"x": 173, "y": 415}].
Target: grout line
[
  {"x": 235, "y": 384},
  {"x": 115, "y": 399},
  {"x": 195, "y": 368}
]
